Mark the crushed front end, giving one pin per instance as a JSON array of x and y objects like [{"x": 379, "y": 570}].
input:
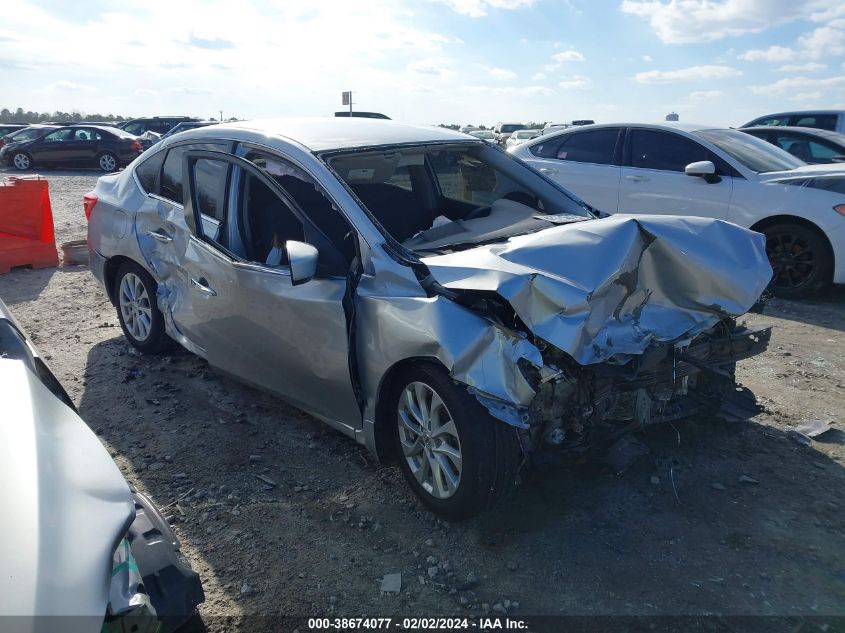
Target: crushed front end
[{"x": 583, "y": 407}]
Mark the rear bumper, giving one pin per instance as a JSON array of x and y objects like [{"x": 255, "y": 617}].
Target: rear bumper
[
  {"x": 174, "y": 588},
  {"x": 97, "y": 263}
]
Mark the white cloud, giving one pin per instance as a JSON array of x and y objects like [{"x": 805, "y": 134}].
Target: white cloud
[
  {"x": 792, "y": 84},
  {"x": 704, "y": 95},
  {"x": 575, "y": 81},
  {"x": 771, "y": 54},
  {"x": 64, "y": 85},
  {"x": 687, "y": 74},
  {"x": 648, "y": 58},
  {"x": 425, "y": 67},
  {"x": 479, "y": 8},
  {"x": 502, "y": 74},
  {"x": 568, "y": 56},
  {"x": 686, "y": 21},
  {"x": 807, "y": 96},
  {"x": 809, "y": 67},
  {"x": 538, "y": 77},
  {"x": 822, "y": 42}
]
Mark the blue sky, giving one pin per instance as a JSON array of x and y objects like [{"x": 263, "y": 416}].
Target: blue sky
[{"x": 427, "y": 61}]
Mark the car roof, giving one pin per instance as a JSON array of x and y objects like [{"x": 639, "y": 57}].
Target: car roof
[
  {"x": 819, "y": 111},
  {"x": 335, "y": 133},
  {"x": 810, "y": 131},
  {"x": 661, "y": 125}
]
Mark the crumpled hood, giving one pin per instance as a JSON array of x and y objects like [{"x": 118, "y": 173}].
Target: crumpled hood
[
  {"x": 610, "y": 286},
  {"x": 805, "y": 171},
  {"x": 67, "y": 506}
]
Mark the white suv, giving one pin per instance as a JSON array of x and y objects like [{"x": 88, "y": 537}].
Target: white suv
[{"x": 673, "y": 168}]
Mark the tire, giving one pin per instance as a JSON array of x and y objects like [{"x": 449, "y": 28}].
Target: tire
[
  {"x": 21, "y": 161},
  {"x": 800, "y": 259},
  {"x": 107, "y": 162},
  {"x": 488, "y": 449},
  {"x": 140, "y": 319}
]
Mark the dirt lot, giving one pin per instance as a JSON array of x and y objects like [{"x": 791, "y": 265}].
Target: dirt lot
[{"x": 574, "y": 539}]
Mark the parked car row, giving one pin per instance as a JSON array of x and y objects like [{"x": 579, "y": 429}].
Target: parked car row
[{"x": 103, "y": 145}]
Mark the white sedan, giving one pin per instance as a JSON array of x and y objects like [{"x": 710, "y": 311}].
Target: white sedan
[
  {"x": 673, "y": 168},
  {"x": 521, "y": 136}
]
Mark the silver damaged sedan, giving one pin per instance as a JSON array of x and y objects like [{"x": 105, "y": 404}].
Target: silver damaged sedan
[{"x": 425, "y": 293}]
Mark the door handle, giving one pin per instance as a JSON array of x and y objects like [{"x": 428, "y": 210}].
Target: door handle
[
  {"x": 160, "y": 237},
  {"x": 201, "y": 284},
  {"x": 548, "y": 171},
  {"x": 636, "y": 178}
]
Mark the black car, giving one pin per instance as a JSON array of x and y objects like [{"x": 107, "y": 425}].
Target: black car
[
  {"x": 811, "y": 145},
  {"x": 157, "y": 124},
  {"x": 107, "y": 148}
]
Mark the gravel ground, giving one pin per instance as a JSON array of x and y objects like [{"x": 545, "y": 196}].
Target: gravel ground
[{"x": 718, "y": 519}]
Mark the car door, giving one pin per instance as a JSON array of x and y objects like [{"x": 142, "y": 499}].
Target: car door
[
  {"x": 82, "y": 148},
  {"x": 54, "y": 147},
  {"x": 252, "y": 321},
  {"x": 654, "y": 182},
  {"x": 586, "y": 163}
]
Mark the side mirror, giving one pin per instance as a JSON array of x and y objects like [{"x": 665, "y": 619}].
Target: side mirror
[
  {"x": 837, "y": 159},
  {"x": 703, "y": 169},
  {"x": 302, "y": 259}
]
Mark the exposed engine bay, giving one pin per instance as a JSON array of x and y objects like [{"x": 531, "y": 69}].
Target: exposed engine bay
[{"x": 578, "y": 407}]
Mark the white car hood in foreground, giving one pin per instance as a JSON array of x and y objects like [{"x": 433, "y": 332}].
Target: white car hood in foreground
[
  {"x": 600, "y": 288},
  {"x": 806, "y": 171},
  {"x": 66, "y": 507}
]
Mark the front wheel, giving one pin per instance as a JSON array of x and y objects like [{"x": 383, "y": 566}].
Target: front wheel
[
  {"x": 457, "y": 459},
  {"x": 21, "y": 161},
  {"x": 107, "y": 162},
  {"x": 800, "y": 260}
]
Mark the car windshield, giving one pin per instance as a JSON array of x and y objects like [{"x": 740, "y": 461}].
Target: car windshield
[
  {"x": 507, "y": 129},
  {"x": 440, "y": 198},
  {"x": 752, "y": 152},
  {"x": 482, "y": 134}
]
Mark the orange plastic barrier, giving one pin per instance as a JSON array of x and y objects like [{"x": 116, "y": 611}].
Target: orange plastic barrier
[{"x": 26, "y": 224}]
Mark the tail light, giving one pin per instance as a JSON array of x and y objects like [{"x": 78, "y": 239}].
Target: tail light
[
  {"x": 840, "y": 209},
  {"x": 2, "y": 142},
  {"x": 89, "y": 201},
  {"x": 136, "y": 145}
]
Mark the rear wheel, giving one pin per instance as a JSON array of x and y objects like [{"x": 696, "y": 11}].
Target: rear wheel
[
  {"x": 140, "y": 319},
  {"x": 21, "y": 161},
  {"x": 107, "y": 162},
  {"x": 800, "y": 260},
  {"x": 457, "y": 459}
]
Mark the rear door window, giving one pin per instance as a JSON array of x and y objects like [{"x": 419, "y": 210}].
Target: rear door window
[
  {"x": 596, "y": 146},
  {"x": 820, "y": 121},
  {"x": 210, "y": 179},
  {"x": 664, "y": 151}
]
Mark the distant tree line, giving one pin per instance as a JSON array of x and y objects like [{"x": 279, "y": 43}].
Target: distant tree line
[{"x": 28, "y": 116}]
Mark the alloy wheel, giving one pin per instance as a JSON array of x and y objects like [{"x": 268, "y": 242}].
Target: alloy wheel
[
  {"x": 107, "y": 162},
  {"x": 21, "y": 161},
  {"x": 135, "y": 308},
  {"x": 792, "y": 259},
  {"x": 429, "y": 440}
]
